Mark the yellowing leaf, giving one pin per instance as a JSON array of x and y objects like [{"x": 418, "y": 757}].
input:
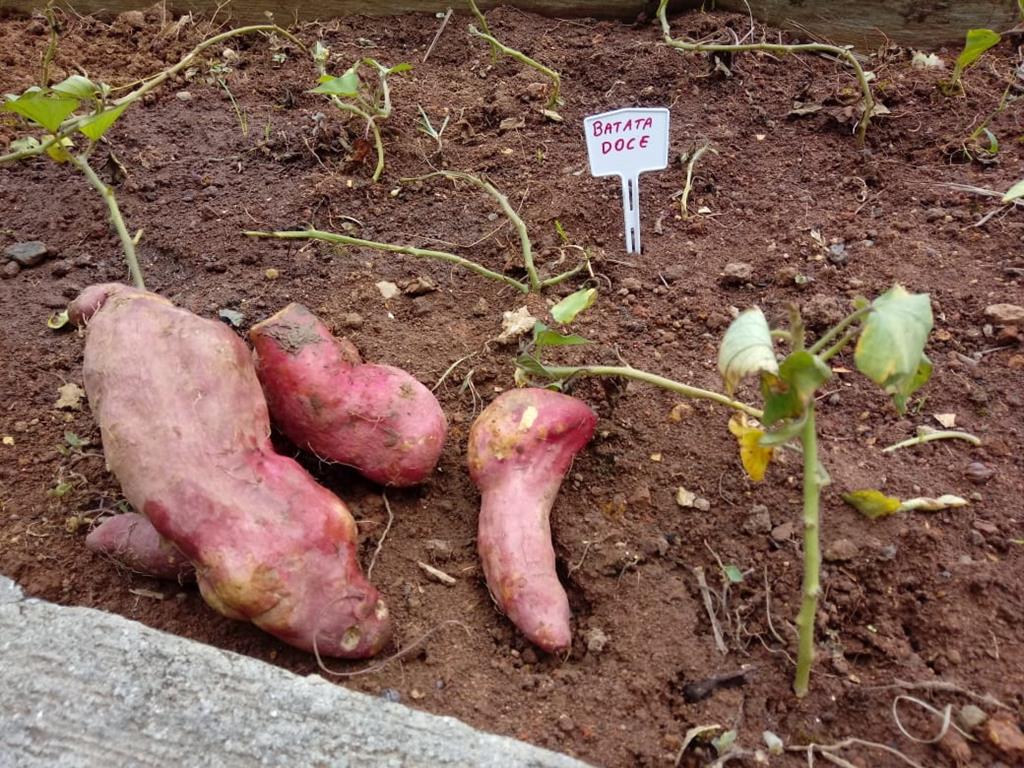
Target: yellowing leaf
[
  {"x": 871, "y": 503},
  {"x": 754, "y": 456}
]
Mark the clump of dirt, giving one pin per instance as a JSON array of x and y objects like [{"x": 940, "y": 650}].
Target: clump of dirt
[{"x": 789, "y": 203}]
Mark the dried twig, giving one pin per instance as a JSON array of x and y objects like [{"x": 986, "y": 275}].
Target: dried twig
[
  {"x": 380, "y": 541},
  {"x": 705, "y": 591}
]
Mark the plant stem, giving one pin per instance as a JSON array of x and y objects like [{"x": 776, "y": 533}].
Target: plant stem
[
  {"x": 836, "y": 348},
  {"x": 813, "y": 482},
  {"x": 331, "y": 237},
  {"x": 626, "y": 372},
  {"x": 524, "y": 237},
  {"x": 937, "y": 434},
  {"x": 841, "y": 326},
  {"x": 687, "y": 188},
  {"x": 556, "y": 80},
  {"x": 70, "y": 125},
  {"x": 834, "y": 50},
  {"x": 483, "y": 25},
  {"x": 127, "y": 244}
]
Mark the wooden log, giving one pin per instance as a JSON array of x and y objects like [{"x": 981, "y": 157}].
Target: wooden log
[{"x": 865, "y": 23}]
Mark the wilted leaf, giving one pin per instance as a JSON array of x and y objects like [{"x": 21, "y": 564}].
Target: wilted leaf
[
  {"x": 871, "y": 503},
  {"x": 568, "y": 308},
  {"x": 875, "y": 504},
  {"x": 73, "y": 440},
  {"x": 746, "y": 349},
  {"x": 233, "y": 317},
  {"x": 69, "y": 396},
  {"x": 948, "y": 420},
  {"x": 57, "y": 320},
  {"x": 25, "y": 144},
  {"x": 755, "y": 457},
  {"x": 99, "y": 124},
  {"x": 890, "y": 350},
  {"x": 550, "y": 114},
  {"x": 515, "y": 324},
  {"x": 47, "y": 110},
  {"x": 724, "y": 742}
]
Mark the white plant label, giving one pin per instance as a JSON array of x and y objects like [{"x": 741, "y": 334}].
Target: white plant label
[{"x": 625, "y": 143}]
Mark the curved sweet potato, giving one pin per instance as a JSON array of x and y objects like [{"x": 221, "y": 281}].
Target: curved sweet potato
[
  {"x": 520, "y": 448},
  {"x": 186, "y": 431},
  {"x": 375, "y": 418},
  {"x": 131, "y": 540}
]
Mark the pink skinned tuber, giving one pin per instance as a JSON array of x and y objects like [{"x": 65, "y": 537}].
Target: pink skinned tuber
[
  {"x": 132, "y": 541},
  {"x": 185, "y": 429},
  {"x": 375, "y": 418},
  {"x": 520, "y": 448}
]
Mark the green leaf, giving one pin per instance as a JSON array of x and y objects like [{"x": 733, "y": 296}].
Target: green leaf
[
  {"x": 1014, "y": 192},
  {"x": 77, "y": 87},
  {"x": 733, "y": 574},
  {"x": 890, "y": 350},
  {"x": 545, "y": 337},
  {"x": 993, "y": 142},
  {"x": 568, "y": 308},
  {"x": 94, "y": 127},
  {"x": 787, "y": 394},
  {"x": 746, "y": 349},
  {"x": 872, "y": 504},
  {"x": 781, "y": 435},
  {"x": 560, "y": 230},
  {"x": 42, "y": 109},
  {"x": 400, "y": 68},
  {"x": 978, "y": 41},
  {"x": 343, "y": 85},
  {"x": 73, "y": 440}
]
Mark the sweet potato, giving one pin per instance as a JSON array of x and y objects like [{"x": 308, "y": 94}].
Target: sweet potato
[
  {"x": 185, "y": 429},
  {"x": 375, "y": 418},
  {"x": 131, "y": 540},
  {"x": 520, "y": 448}
]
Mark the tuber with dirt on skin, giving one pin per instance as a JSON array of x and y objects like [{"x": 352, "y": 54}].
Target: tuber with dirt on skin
[
  {"x": 520, "y": 448},
  {"x": 377, "y": 419},
  {"x": 131, "y": 540},
  {"x": 185, "y": 430}
]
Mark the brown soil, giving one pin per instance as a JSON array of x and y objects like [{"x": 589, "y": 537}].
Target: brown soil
[{"x": 923, "y": 596}]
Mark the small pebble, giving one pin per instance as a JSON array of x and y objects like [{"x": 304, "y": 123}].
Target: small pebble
[
  {"x": 390, "y": 694},
  {"x": 183, "y": 96},
  {"x": 565, "y": 723},
  {"x": 841, "y": 550},
  {"x": 271, "y": 274},
  {"x": 11, "y": 269},
  {"x": 596, "y": 640},
  {"x": 352, "y": 320},
  {"x": 970, "y": 717}
]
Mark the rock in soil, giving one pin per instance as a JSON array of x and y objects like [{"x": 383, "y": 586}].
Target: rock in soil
[
  {"x": 841, "y": 550},
  {"x": 11, "y": 269},
  {"x": 1005, "y": 314},
  {"x": 27, "y": 254},
  {"x": 1002, "y": 732}
]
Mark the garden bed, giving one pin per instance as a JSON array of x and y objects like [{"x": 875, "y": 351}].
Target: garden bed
[{"x": 816, "y": 220}]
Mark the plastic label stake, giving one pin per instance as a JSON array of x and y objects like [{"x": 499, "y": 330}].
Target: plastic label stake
[{"x": 625, "y": 143}]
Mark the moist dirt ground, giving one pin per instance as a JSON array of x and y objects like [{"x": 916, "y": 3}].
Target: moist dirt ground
[{"x": 808, "y": 216}]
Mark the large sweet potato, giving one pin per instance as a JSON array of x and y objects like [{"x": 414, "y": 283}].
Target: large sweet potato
[
  {"x": 186, "y": 431},
  {"x": 520, "y": 448},
  {"x": 375, "y": 418}
]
